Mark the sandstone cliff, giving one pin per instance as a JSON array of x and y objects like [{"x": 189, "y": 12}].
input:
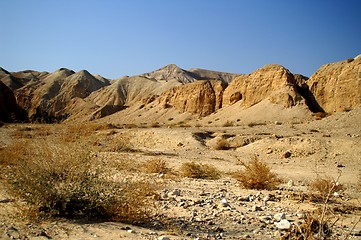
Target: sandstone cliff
[
  {"x": 201, "y": 98},
  {"x": 337, "y": 86},
  {"x": 272, "y": 82}
]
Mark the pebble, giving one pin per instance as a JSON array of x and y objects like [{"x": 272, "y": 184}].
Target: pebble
[
  {"x": 279, "y": 216},
  {"x": 163, "y": 238},
  {"x": 256, "y": 208},
  {"x": 284, "y": 224}
]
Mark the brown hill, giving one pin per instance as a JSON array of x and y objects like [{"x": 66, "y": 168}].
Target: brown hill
[
  {"x": 46, "y": 99},
  {"x": 337, "y": 86}
]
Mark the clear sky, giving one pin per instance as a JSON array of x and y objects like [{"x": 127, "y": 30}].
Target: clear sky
[{"x": 128, "y": 37}]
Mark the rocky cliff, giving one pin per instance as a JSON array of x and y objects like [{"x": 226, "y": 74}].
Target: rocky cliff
[
  {"x": 337, "y": 86},
  {"x": 272, "y": 82},
  {"x": 201, "y": 98}
]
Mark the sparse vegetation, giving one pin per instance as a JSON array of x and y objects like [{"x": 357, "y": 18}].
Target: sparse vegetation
[
  {"x": 157, "y": 165},
  {"x": 257, "y": 175},
  {"x": 202, "y": 171},
  {"x": 325, "y": 187},
  {"x": 65, "y": 180},
  {"x": 222, "y": 144},
  {"x": 309, "y": 229},
  {"x": 253, "y": 124},
  {"x": 228, "y": 124}
]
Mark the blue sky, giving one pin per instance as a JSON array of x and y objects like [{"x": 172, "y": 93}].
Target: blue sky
[{"x": 129, "y": 37}]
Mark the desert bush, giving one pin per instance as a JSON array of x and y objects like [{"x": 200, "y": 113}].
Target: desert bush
[
  {"x": 325, "y": 187},
  {"x": 156, "y": 165},
  {"x": 257, "y": 175},
  {"x": 121, "y": 143},
  {"x": 202, "y": 171},
  {"x": 65, "y": 180},
  {"x": 222, "y": 144},
  {"x": 309, "y": 229}
]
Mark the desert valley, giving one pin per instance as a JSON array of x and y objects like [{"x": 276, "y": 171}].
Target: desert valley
[{"x": 181, "y": 154}]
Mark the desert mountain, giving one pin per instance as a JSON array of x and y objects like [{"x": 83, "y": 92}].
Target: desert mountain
[
  {"x": 46, "y": 99},
  {"x": 173, "y": 72},
  {"x": 337, "y": 86},
  {"x": 9, "y": 109},
  {"x": 65, "y": 94}
]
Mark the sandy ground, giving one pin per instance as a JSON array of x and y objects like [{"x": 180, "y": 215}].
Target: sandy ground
[{"x": 326, "y": 147}]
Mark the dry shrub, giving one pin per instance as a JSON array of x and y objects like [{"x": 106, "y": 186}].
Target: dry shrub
[
  {"x": 325, "y": 187},
  {"x": 74, "y": 132},
  {"x": 156, "y": 165},
  {"x": 309, "y": 229},
  {"x": 66, "y": 180},
  {"x": 222, "y": 144},
  {"x": 202, "y": 171},
  {"x": 122, "y": 143},
  {"x": 257, "y": 175}
]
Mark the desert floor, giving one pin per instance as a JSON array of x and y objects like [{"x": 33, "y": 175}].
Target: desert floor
[{"x": 212, "y": 209}]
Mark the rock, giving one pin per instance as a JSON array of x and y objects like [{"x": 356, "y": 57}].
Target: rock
[
  {"x": 224, "y": 202},
  {"x": 337, "y": 86},
  {"x": 279, "y": 216},
  {"x": 272, "y": 82},
  {"x": 200, "y": 98},
  {"x": 287, "y": 154},
  {"x": 290, "y": 183},
  {"x": 163, "y": 238},
  {"x": 284, "y": 224},
  {"x": 256, "y": 208},
  {"x": 174, "y": 193}
]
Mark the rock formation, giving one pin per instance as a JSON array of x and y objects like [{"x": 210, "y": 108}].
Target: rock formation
[
  {"x": 201, "y": 98},
  {"x": 272, "y": 82},
  {"x": 337, "y": 86}
]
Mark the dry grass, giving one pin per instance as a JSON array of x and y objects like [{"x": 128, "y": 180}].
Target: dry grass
[
  {"x": 156, "y": 165},
  {"x": 66, "y": 180},
  {"x": 202, "y": 171},
  {"x": 121, "y": 143},
  {"x": 257, "y": 175},
  {"x": 222, "y": 144},
  {"x": 325, "y": 187},
  {"x": 309, "y": 229}
]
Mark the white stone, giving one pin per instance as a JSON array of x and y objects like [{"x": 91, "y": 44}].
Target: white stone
[
  {"x": 224, "y": 202},
  {"x": 163, "y": 238},
  {"x": 290, "y": 183},
  {"x": 279, "y": 216},
  {"x": 284, "y": 224}
]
